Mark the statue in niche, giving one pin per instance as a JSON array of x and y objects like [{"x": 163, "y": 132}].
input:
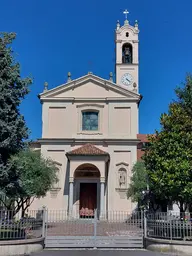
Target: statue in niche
[{"x": 122, "y": 178}]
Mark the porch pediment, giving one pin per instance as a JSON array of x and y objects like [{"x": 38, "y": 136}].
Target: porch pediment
[
  {"x": 87, "y": 150},
  {"x": 86, "y": 156}
]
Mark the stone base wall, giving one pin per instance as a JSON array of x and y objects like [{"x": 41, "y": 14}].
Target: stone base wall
[
  {"x": 168, "y": 246},
  {"x": 21, "y": 247}
]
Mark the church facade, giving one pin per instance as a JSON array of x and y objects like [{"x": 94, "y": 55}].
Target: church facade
[{"x": 89, "y": 130}]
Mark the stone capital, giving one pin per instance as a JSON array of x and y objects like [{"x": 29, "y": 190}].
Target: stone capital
[
  {"x": 102, "y": 179},
  {"x": 71, "y": 179}
]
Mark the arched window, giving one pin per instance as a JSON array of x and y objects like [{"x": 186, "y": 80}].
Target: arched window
[
  {"x": 90, "y": 120},
  {"x": 127, "y": 53}
]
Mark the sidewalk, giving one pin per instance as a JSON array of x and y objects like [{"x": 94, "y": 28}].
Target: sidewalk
[{"x": 97, "y": 253}]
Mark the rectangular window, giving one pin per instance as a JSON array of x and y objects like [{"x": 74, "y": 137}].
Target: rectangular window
[{"x": 90, "y": 121}]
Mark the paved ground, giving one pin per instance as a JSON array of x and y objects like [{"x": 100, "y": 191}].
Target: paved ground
[
  {"x": 97, "y": 253},
  {"x": 86, "y": 228}
]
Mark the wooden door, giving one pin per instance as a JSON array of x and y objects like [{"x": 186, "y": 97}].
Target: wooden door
[{"x": 88, "y": 199}]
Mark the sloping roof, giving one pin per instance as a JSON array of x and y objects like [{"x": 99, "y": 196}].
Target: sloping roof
[
  {"x": 142, "y": 137},
  {"x": 88, "y": 149},
  {"x": 34, "y": 144},
  {"x": 140, "y": 150}
]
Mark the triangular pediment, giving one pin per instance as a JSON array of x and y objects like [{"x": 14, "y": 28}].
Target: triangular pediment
[
  {"x": 87, "y": 149},
  {"x": 89, "y": 86}
]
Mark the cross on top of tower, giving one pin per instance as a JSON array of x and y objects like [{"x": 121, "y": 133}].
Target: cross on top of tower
[{"x": 126, "y": 14}]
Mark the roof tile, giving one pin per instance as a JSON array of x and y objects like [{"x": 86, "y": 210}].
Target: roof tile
[
  {"x": 87, "y": 149},
  {"x": 143, "y": 137}
]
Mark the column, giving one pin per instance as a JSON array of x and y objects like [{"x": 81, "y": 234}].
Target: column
[
  {"x": 102, "y": 198},
  {"x": 70, "y": 196}
]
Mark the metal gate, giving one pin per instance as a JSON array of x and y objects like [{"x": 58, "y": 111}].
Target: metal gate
[{"x": 109, "y": 230}]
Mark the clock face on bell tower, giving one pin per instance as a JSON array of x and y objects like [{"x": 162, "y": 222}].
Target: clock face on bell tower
[
  {"x": 127, "y": 79},
  {"x": 127, "y": 47}
]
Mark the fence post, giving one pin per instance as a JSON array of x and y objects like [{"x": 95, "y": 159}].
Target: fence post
[
  {"x": 183, "y": 227},
  {"x": 95, "y": 229},
  {"x": 145, "y": 223},
  {"x": 170, "y": 223},
  {"x": 44, "y": 221}
]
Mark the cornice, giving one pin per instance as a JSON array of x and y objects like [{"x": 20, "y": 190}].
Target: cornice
[
  {"x": 118, "y": 41},
  {"x": 105, "y": 141},
  {"x": 105, "y": 158},
  {"x": 105, "y": 100},
  {"x": 57, "y": 163},
  {"x": 90, "y": 105},
  {"x": 122, "y": 163},
  {"x": 127, "y": 27},
  {"x": 127, "y": 64}
]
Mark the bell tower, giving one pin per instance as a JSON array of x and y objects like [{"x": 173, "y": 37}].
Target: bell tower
[{"x": 127, "y": 55}]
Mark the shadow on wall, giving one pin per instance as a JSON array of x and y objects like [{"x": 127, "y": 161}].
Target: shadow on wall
[{"x": 66, "y": 180}]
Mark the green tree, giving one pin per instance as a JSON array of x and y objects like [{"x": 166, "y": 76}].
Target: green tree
[
  {"x": 140, "y": 189},
  {"x": 184, "y": 95},
  {"x": 168, "y": 158},
  {"x": 13, "y": 130},
  {"x": 138, "y": 185},
  {"x": 35, "y": 176}
]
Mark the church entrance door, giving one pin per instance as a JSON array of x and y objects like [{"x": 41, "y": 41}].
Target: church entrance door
[{"x": 88, "y": 199}]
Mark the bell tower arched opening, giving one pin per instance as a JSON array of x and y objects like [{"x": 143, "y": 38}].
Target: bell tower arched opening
[{"x": 127, "y": 53}]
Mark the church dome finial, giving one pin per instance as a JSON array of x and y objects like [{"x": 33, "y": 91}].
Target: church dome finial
[
  {"x": 69, "y": 77},
  {"x": 118, "y": 25},
  {"x": 45, "y": 86},
  {"x": 136, "y": 24},
  {"x": 111, "y": 76}
]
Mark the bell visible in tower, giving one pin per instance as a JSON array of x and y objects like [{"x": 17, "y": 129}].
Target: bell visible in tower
[{"x": 127, "y": 53}]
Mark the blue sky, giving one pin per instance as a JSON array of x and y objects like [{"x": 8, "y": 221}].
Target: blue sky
[{"x": 54, "y": 37}]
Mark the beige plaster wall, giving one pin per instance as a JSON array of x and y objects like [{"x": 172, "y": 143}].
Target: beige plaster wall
[
  {"x": 89, "y": 89},
  {"x": 57, "y": 126},
  {"x": 57, "y": 198},
  {"x": 114, "y": 200},
  {"x": 121, "y": 157},
  {"x": 64, "y": 120},
  {"x": 121, "y": 117}
]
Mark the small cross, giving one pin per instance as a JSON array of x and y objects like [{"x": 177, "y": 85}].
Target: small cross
[{"x": 126, "y": 12}]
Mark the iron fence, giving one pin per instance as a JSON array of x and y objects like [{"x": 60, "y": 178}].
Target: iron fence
[
  {"x": 97, "y": 225},
  {"x": 94, "y": 229},
  {"x": 14, "y": 227},
  {"x": 173, "y": 226},
  {"x": 60, "y": 222}
]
